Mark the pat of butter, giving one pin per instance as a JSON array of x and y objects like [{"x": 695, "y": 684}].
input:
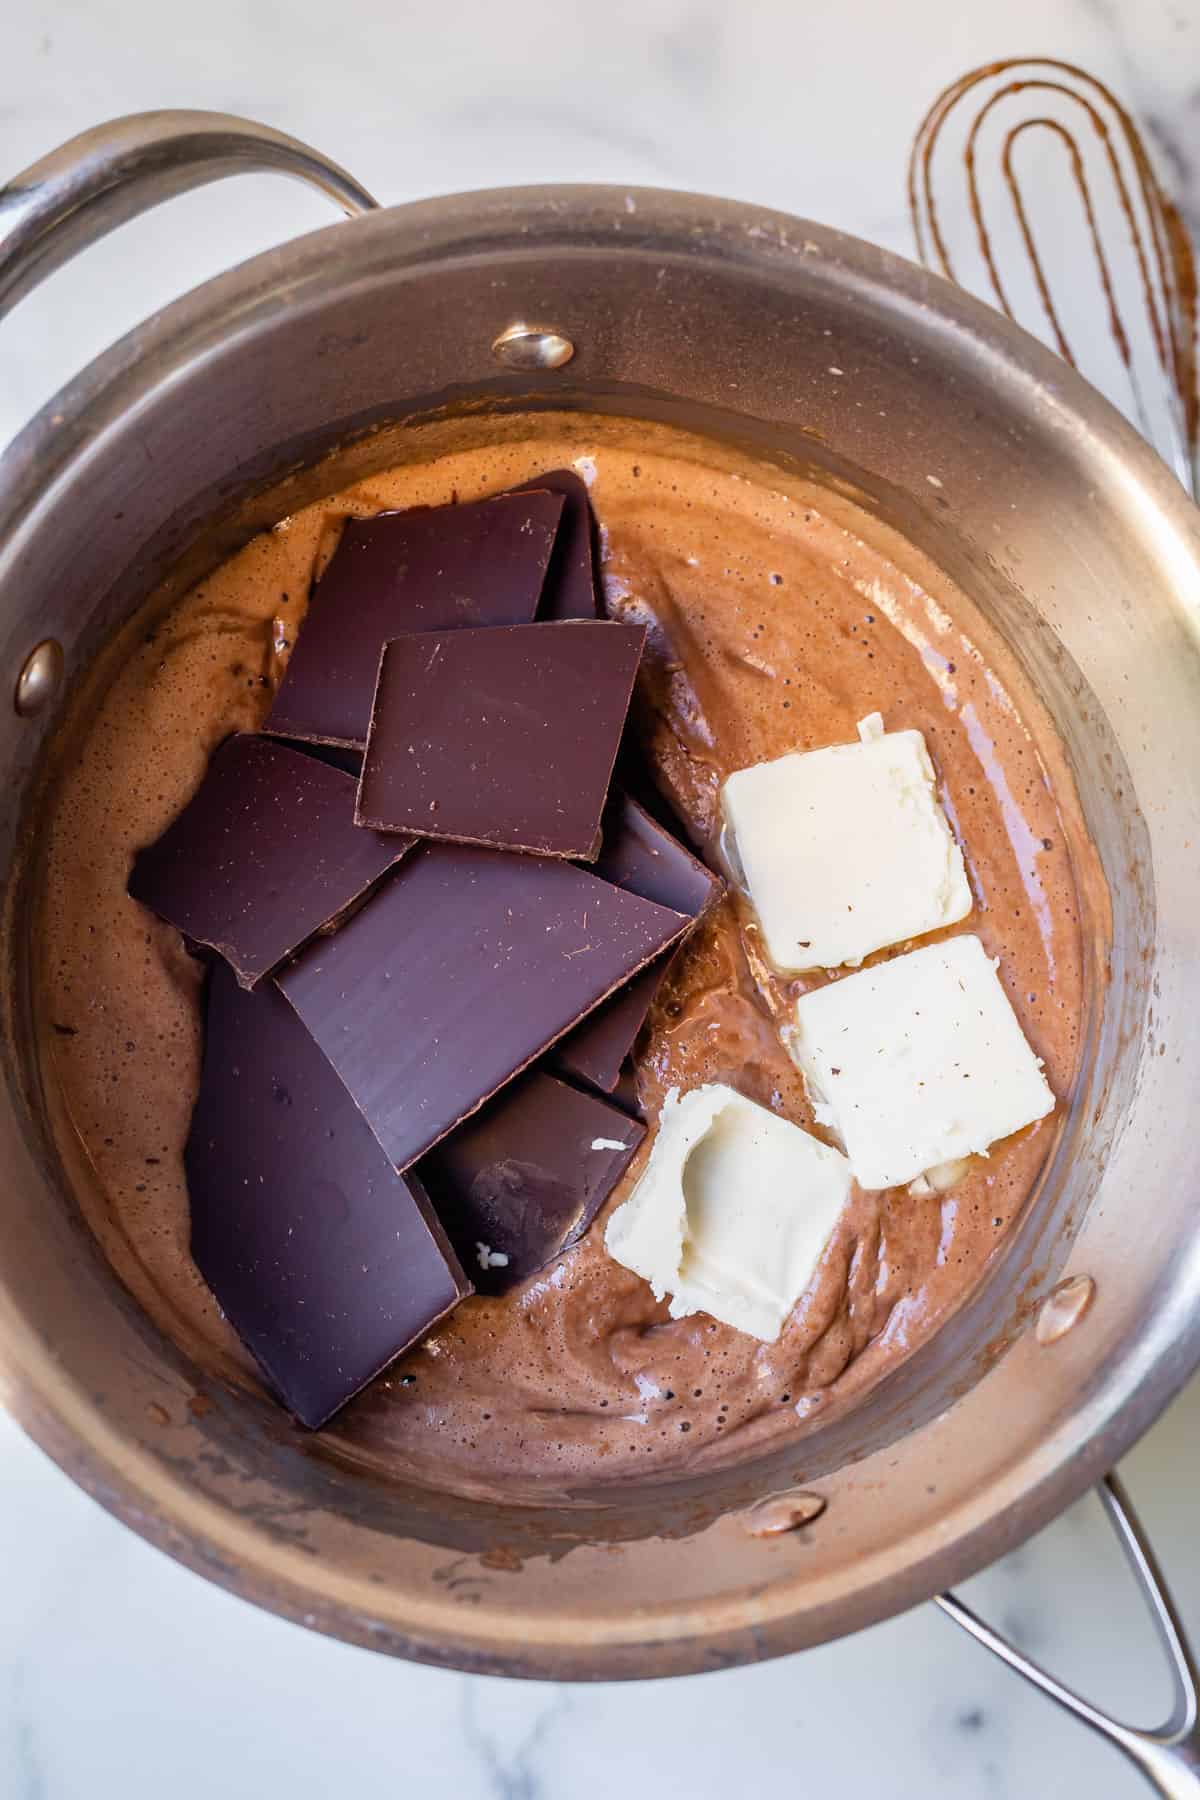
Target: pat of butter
[
  {"x": 845, "y": 851},
  {"x": 918, "y": 1061},
  {"x": 732, "y": 1212}
]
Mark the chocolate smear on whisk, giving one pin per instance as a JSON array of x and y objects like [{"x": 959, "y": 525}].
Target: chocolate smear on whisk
[{"x": 1096, "y": 124}]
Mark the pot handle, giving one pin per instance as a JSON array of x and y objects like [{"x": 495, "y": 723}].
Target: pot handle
[
  {"x": 106, "y": 176},
  {"x": 1169, "y": 1757}
]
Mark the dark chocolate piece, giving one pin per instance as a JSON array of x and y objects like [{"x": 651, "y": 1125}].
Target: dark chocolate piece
[
  {"x": 264, "y": 854},
  {"x": 641, "y": 856},
  {"x": 570, "y": 587},
  {"x": 522, "y": 1180},
  {"x": 596, "y": 1050},
  {"x": 458, "y": 972},
  {"x": 428, "y": 569},
  {"x": 504, "y": 738},
  {"x": 327, "y": 1263}
]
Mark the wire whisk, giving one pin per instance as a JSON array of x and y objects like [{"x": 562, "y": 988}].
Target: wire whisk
[{"x": 1030, "y": 184}]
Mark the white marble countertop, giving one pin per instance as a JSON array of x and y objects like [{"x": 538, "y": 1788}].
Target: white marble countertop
[{"x": 120, "y": 1672}]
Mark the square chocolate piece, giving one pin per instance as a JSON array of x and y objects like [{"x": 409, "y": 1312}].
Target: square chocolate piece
[
  {"x": 327, "y": 1263},
  {"x": 522, "y": 1180},
  {"x": 504, "y": 738},
  {"x": 432, "y": 568},
  {"x": 457, "y": 973},
  {"x": 264, "y": 854}
]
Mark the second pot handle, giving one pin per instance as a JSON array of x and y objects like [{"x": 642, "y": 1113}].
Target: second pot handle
[
  {"x": 106, "y": 176},
  {"x": 1168, "y": 1757}
]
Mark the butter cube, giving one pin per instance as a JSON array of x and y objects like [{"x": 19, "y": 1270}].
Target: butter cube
[
  {"x": 732, "y": 1212},
  {"x": 845, "y": 851},
  {"x": 917, "y": 1061}
]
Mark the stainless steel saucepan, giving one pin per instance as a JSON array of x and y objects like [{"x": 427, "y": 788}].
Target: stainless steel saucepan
[{"x": 952, "y": 425}]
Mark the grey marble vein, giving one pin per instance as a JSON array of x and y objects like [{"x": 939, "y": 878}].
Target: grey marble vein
[
  {"x": 510, "y": 1767},
  {"x": 691, "y": 51},
  {"x": 969, "y": 1747},
  {"x": 30, "y": 1775}
]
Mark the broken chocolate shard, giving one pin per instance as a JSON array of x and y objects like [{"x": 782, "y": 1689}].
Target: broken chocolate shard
[
  {"x": 625, "y": 1093},
  {"x": 570, "y": 587},
  {"x": 428, "y": 569},
  {"x": 327, "y": 1263},
  {"x": 457, "y": 973},
  {"x": 521, "y": 1181},
  {"x": 336, "y": 756},
  {"x": 264, "y": 854},
  {"x": 596, "y": 1050},
  {"x": 641, "y": 856},
  {"x": 504, "y": 738}
]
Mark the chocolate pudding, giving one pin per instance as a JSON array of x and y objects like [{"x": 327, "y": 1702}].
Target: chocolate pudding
[{"x": 779, "y": 615}]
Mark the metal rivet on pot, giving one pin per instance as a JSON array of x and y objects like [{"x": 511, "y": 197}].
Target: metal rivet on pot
[
  {"x": 40, "y": 678},
  {"x": 1064, "y": 1308},
  {"x": 783, "y": 1512},
  {"x": 524, "y": 346}
]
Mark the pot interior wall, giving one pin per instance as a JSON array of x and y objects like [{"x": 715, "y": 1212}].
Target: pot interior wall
[{"x": 152, "y": 481}]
